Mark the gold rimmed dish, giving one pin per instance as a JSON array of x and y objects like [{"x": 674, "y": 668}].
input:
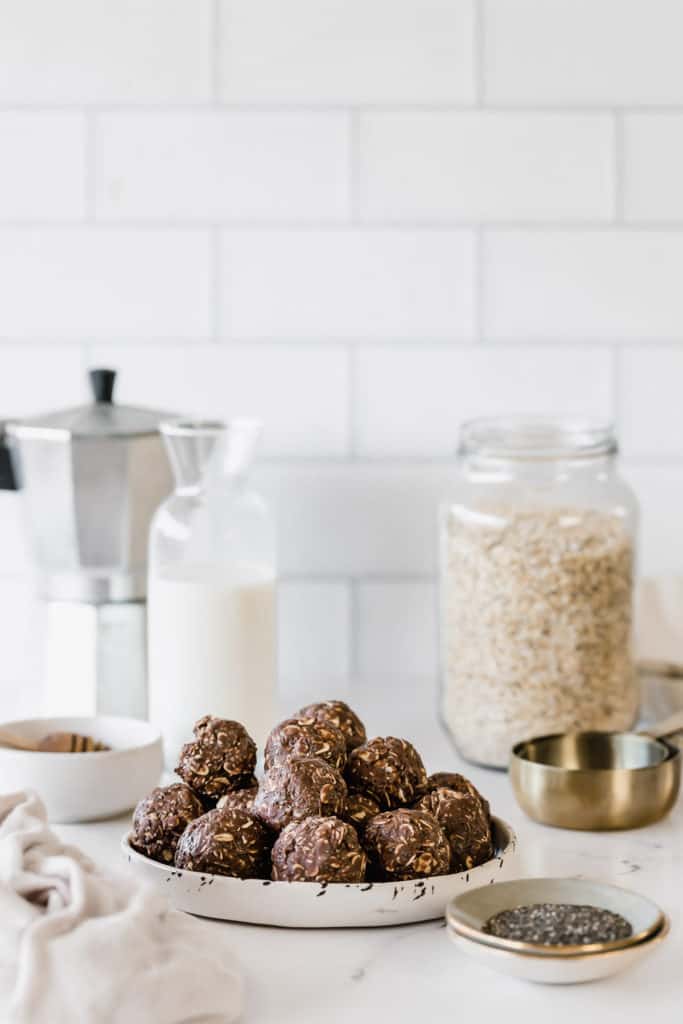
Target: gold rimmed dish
[
  {"x": 469, "y": 911},
  {"x": 549, "y": 970},
  {"x": 559, "y": 965}
]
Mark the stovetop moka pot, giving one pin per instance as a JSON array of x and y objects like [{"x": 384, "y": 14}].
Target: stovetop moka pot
[{"x": 91, "y": 479}]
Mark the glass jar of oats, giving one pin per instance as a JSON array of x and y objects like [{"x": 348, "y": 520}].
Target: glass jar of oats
[{"x": 537, "y": 551}]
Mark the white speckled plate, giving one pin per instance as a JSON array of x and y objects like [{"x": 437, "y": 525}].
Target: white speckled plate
[{"x": 314, "y": 905}]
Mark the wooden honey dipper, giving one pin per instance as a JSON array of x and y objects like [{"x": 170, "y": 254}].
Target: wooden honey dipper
[{"x": 54, "y": 743}]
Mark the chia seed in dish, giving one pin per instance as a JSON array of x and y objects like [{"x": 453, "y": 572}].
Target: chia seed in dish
[{"x": 558, "y": 924}]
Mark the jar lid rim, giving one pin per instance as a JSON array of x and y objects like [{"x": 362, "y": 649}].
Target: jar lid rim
[{"x": 537, "y": 437}]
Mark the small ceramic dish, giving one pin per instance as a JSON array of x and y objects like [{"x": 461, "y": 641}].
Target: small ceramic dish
[
  {"x": 320, "y": 905},
  {"x": 469, "y": 911},
  {"x": 559, "y": 965},
  {"x": 85, "y": 787},
  {"x": 553, "y": 970}
]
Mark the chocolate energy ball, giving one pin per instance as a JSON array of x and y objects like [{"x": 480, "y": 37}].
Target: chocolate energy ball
[
  {"x": 221, "y": 758},
  {"x": 458, "y": 782},
  {"x": 243, "y": 799},
  {"x": 360, "y": 808},
  {"x": 161, "y": 818},
  {"x": 225, "y": 841},
  {"x": 388, "y": 769},
  {"x": 339, "y": 714},
  {"x": 305, "y": 737},
  {"x": 466, "y": 824},
  {"x": 406, "y": 843},
  {"x": 318, "y": 850},
  {"x": 301, "y": 787}
]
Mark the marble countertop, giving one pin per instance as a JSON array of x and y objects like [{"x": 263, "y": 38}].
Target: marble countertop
[{"x": 412, "y": 973}]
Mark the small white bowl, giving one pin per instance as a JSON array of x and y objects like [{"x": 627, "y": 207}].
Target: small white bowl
[
  {"x": 553, "y": 970},
  {"x": 85, "y": 787},
  {"x": 554, "y": 965}
]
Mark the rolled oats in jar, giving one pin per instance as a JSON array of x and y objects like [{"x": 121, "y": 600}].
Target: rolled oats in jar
[{"x": 537, "y": 563}]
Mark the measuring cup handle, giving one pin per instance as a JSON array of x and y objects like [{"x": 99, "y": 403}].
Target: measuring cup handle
[
  {"x": 667, "y": 727},
  {"x": 664, "y": 669}
]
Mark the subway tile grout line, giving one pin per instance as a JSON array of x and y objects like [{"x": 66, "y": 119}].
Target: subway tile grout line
[
  {"x": 330, "y": 579},
  {"x": 336, "y": 226},
  {"x": 619, "y": 168},
  {"x": 354, "y": 167},
  {"x": 616, "y": 388},
  {"x": 86, "y": 350},
  {"x": 326, "y": 342},
  {"x": 354, "y": 627},
  {"x": 478, "y": 283},
  {"x": 214, "y": 286},
  {"x": 352, "y": 407},
  {"x": 90, "y": 169},
  {"x": 401, "y": 463},
  {"x": 479, "y": 51},
  {"x": 215, "y": 50},
  {"x": 400, "y": 579},
  {"x": 393, "y": 107}
]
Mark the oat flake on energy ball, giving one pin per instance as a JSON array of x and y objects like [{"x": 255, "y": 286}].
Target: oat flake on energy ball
[
  {"x": 299, "y": 788},
  {"x": 406, "y": 843},
  {"x": 387, "y": 769},
  {"x": 160, "y": 819},
  {"x": 221, "y": 758},
  {"x": 319, "y": 850},
  {"x": 305, "y": 737},
  {"x": 536, "y": 625},
  {"x": 225, "y": 841}
]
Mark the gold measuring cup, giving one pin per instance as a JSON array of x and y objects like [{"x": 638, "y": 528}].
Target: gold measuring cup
[{"x": 599, "y": 780}]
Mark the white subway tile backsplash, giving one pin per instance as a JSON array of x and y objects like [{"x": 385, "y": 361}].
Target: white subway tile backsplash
[
  {"x": 591, "y": 52},
  {"x": 314, "y": 630},
  {"x": 95, "y": 51},
  {"x": 651, "y": 407},
  {"x": 478, "y": 166},
  {"x": 301, "y": 393},
  {"x": 356, "y": 519},
  {"x": 583, "y": 285},
  {"x": 15, "y": 553},
  {"x": 67, "y": 283},
  {"x": 22, "y": 649},
  {"x": 42, "y": 166},
  {"x": 363, "y": 221},
  {"x": 220, "y": 166},
  {"x": 357, "y": 51},
  {"x": 653, "y": 167},
  {"x": 347, "y": 284},
  {"x": 660, "y": 492},
  {"x": 36, "y": 379},
  {"x": 412, "y": 401},
  {"x": 383, "y": 520},
  {"x": 397, "y": 629}
]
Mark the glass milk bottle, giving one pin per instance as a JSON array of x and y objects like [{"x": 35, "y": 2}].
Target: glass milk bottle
[{"x": 212, "y": 587}]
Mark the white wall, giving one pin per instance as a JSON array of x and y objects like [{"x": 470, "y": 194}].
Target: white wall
[{"x": 364, "y": 220}]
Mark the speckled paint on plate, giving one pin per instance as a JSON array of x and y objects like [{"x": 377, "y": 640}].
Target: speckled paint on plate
[{"x": 314, "y": 905}]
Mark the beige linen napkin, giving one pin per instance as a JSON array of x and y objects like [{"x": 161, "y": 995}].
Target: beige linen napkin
[{"x": 78, "y": 947}]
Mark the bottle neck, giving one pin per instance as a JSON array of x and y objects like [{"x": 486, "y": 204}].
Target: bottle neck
[{"x": 210, "y": 454}]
